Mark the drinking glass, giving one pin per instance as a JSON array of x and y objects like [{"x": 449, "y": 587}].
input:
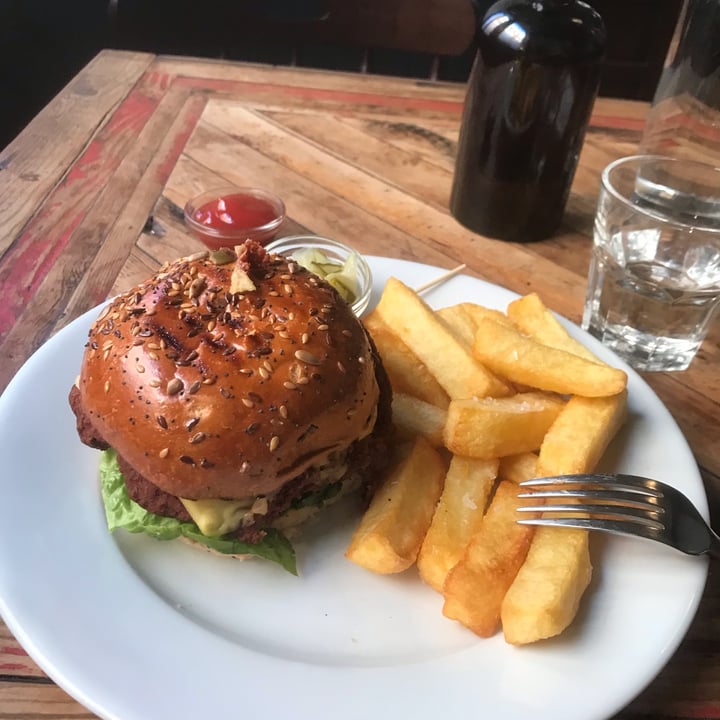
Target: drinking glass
[
  {"x": 684, "y": 120},
  {"x": 654, "y": 278}
]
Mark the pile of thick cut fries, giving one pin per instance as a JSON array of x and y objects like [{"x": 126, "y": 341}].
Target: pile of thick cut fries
[{"x": 482, "y": 401}]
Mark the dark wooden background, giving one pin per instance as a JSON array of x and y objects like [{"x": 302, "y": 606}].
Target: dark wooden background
[{"x": 44, "y": 43}]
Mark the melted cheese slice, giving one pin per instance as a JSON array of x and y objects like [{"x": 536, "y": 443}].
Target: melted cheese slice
[{"x": 217, "y": 517}]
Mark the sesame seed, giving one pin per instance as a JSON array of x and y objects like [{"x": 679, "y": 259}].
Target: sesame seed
[
  {"x": 197, "y": 438},
  {"x": 107, "y": 386},
  {"x": 162, "y": 422},
  {"x": 306, "y": 357},
  {"x": 274, "y": 442},
  {"x": 283, "y": 412},
  {"x": 248, "y": 403},
  {"x": 187, "y": 460},
  {"x": 264, "y": 374},
  {"x": 341, "y": 367},
  {"x": 174, "y": 386},
  {"x": 289, "y": 385},
  {"x": 155, "y": 382},
  {"x": 323, "y": 327},
  {"x": 305, "y": 338},
  {"x": 191, "y": 423},
  {"x": 140, "y": 368},
  {"x": 164, "y": 452}
]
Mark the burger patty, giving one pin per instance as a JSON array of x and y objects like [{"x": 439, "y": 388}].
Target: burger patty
[{"x": 365, "y": 461}]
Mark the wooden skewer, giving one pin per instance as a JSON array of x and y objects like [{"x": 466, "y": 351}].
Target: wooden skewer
[{"x": 440, "y": 279}]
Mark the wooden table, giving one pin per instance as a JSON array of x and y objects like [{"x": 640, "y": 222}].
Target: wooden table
[{"x": 89, "y": 205}]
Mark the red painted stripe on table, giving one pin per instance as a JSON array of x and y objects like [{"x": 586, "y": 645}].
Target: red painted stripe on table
[
  {"x": 32, "y": 256},
  {"x": 692, "y": 710},
  {"x": 190, "y": 114},
  {"x": 613, "y": 121},
  {"x": 310, "y": 93},
  {"x": 383, "y": 100},
  {"x": 12, "y": 650},
  {"x": 13, "y": 666}
]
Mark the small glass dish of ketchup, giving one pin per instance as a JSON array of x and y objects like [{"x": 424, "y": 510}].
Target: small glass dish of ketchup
[
  {"x": 227, "y": 216},
  {"x": 339, "y": 264}
]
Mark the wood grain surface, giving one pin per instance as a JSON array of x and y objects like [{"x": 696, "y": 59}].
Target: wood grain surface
[{"x": 92, "y": 193}]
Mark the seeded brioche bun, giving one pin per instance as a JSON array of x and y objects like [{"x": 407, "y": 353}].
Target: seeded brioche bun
[{"x": 227, "y": 374}]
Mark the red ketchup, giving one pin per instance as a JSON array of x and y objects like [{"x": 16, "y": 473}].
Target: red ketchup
[{"x": 234, "y": 217}]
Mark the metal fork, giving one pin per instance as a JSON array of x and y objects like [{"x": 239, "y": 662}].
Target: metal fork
[{"x": 625, "y": 504}]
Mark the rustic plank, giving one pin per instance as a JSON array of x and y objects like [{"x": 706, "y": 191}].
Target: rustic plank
[
  {"x": 39, "y": 700},
  {"x": 13, "y": 658},
  {"x": 132, "y": 189},
  {"x": 403, "y": 168},
  {"x": 207, "y": 71},
  {"x": 34, "y": 162}
]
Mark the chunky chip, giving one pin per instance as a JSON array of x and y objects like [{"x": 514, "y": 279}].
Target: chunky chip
[
  {"x": 546, "y": 593},
  {"x": 406, "y": 371},
  {"x": 533, "y": 318},
  {"x": 462, "y": 319},
  {"x": 450, "y": 362},
  {"x": 521, "y": 359},
  {"x": 582, "y": 432},
  {"x": 475, "y": 587},
  {"x": 415, "y": 417},
  {"x": 494, "y": 427},
  {"x": 391, "y": 531},
  {"x": 468, "y": 485}
]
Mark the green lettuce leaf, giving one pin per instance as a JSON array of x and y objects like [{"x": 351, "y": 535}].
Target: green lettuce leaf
[{"x": 122, "y": 512}]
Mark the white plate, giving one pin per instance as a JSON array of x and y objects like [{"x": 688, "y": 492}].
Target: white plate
[{"x": 135, "y": 629}]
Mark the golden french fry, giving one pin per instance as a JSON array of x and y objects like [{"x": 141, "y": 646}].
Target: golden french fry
[
  {"x": 518, "y": 468},
  {"x": 475, "y": 587},
  {"x": 415, "y": 417},
  {"x": 580, "y": 435},
  {"x": 450, "y": 362},
  {"x": 462, "y": 319},
  {"x": 465, "y": 494},
  {"x": 391, "y": 531},
  {"x": 406, "y": 371},
  {"x": 480, "y": 312},
  {"x": 533, "y": 318},
  {"x": 545, "y": 596},
  {"x": 523, "y": 360},
  {"x": 494, "y": 427}
]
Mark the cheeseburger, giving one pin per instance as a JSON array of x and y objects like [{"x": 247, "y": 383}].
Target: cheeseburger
[{"x": 233, "y": 394}]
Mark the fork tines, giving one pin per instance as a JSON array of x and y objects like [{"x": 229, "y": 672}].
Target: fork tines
[{"x": 595, "y": 502}]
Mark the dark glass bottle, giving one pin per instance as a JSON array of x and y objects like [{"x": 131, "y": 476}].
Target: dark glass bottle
[{"x": 529, "y": 98}]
